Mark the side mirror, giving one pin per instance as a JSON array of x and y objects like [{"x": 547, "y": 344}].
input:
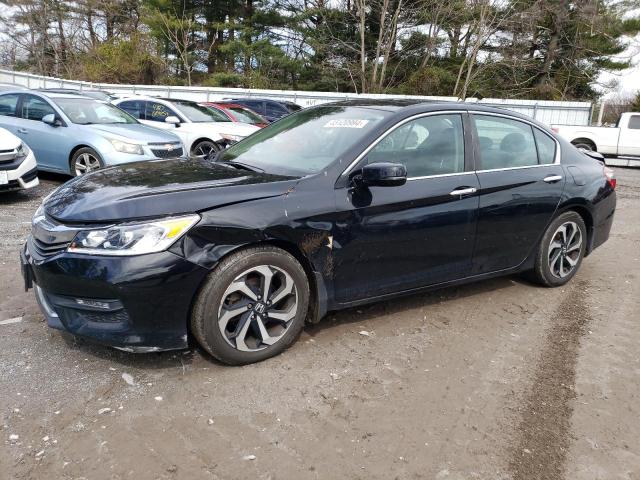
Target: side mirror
[
  {"x": 51, "y": 119},
  {"x": 172, "y": 119},
  {"x": 383, "y": 174}
]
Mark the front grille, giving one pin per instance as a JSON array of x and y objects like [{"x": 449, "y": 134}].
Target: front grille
[
  {"x": 48, "y": 249},
  {"x": 49, "y": 237},
  {"x": 170, "y": 153},
  {"x": 10, "y": 160}
]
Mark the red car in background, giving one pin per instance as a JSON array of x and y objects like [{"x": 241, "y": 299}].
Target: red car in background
[{"x": 238, "y": 113}]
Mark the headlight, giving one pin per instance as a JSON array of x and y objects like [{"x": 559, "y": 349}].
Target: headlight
[
  {"x": 22, "y": 151},
  {"x": 133, "y": 238},
  {"x": 125, "y": 147},
  {"x": 231, "y": 139}
]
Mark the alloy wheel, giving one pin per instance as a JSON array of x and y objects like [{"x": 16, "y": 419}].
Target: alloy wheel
[
  {"x": 565, "y": 249},
  {"x": 257, "y": 308},
  {"x": 203, "y": 149},
  {"x": 85, "y": 163}
]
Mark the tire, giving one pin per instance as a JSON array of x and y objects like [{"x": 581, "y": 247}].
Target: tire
[
  {"x": 559, "y": 255},
  {"x": 85, "y": 160},
  {"x": 237, "y": 338},
  {"x": 584, "y": 145},
  {"x": 204, "y": 148}
]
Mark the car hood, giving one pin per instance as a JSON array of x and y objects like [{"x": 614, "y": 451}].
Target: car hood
[
  {"x": 159, "y": 188},
  {"x": 134, "y": 133},
  {"x": 8, "y": 141}
]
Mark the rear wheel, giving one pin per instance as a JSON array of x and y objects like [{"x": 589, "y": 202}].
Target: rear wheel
[
  {"x": 85, "y": 160},
  {"x": 584, "y": 144},
  {"x": 561, "y": 250},
  {"x": 252, "y": 306}
]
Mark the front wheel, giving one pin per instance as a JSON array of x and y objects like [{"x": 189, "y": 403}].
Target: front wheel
[
  {"x": 205, "y": 148},
  {"x": 85, "y": 160},
  {"x": 252, "y": 306},
  {"x": 561, "y": 250}
]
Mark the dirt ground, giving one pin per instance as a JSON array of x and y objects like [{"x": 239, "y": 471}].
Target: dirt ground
[{"x": 494, "y": 380}]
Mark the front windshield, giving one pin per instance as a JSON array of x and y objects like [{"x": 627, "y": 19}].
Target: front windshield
[
  {"x": 86, "y": 111},
  {"x": 247, "y": 116},
  {"x": 305, "y": 142},
  {"x": 199, "y": 114}
]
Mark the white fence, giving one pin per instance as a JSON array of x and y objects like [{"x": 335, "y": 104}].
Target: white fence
[{"x": 556, "y": 113}]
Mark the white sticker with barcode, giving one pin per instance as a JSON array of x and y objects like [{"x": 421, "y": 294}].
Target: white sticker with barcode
[{"x": 346, "y": 123}]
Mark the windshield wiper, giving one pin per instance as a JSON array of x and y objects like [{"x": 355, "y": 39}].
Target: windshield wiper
[{"x": 243, "y": 166}]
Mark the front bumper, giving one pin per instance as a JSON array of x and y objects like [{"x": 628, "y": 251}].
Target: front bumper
[
  {"x": 139, "y": 303},
  {"x": 24, "y": 176}
]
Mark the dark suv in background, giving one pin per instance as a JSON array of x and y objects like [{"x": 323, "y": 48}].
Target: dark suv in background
[{"x": 272, "y": 110}]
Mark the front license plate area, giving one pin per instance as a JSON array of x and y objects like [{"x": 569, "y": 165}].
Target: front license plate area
[{"x": 4, "y": 177}]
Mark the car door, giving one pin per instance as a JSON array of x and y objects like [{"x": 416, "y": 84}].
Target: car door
[
  {"x": 50, "y": 144},
  {"x": 156, "y": 113},
  {"x": 391, "y": 239},
  {"x": 629, "y": 140},
  {"x": 521, "y": 183}
]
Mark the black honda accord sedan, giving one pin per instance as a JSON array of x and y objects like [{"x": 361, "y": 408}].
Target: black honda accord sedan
[{"x": 331, "y": 207}]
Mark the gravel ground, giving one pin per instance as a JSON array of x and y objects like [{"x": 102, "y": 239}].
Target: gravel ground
[{"x": 494, "y": 380}]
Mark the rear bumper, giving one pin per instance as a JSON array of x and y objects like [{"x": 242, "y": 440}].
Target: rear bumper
[
  {"x": 137, "y": 303},
  {"x": 603, "y": 222}
]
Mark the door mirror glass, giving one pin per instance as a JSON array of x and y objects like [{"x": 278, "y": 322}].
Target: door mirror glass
[
  {"x": 383, "y": 174},
  {"x": 172, "y": 119},
  {"x": 50, "y": 119}
]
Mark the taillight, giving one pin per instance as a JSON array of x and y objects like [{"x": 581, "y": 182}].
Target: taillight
[{"x": 611, "y": 177}]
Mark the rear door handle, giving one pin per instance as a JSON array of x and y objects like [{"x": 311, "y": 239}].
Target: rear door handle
[
  {"x": 553, "y": 178},
  {"x": 22, "y": 130},
  {"x": 463, "y": 191}
]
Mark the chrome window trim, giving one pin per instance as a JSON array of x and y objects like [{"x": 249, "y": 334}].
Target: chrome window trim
[
  {"x": 398, "y": 125},
  {"x": 557, "y": 160},
  {"x": 533, "y": 125},
  {"x": 440, "y": 175}
]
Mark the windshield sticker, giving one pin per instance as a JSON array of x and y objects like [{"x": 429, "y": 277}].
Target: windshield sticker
[{"x": 346, "y": 123}]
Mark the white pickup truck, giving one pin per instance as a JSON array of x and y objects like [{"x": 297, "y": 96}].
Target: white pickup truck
[{"x": 623, "y": 140}]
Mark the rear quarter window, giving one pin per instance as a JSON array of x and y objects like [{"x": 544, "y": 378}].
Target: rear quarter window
[
  {"x": 546, "y": 147},
  {"x": 634, "y": 122}
]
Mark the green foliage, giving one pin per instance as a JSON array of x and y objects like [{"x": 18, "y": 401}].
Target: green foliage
[
  {"x": 546, "y": 49},
  {"x": 120, "y": 61}
]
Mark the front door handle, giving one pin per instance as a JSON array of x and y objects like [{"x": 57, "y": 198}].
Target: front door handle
[
  {"x": 463, "y": 191},
  {"x": 553, "y": 178},
  {"x": 23, "y": 130}
]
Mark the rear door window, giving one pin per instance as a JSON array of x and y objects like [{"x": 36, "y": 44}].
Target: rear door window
[
  {"x": 504, "y": 143},
  {"x": 9, "y": 104},
  {"x": 135, "y": 108}
]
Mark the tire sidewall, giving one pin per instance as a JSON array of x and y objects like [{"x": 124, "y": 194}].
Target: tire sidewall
[
  {"x": 205, "y": 319},
  {"x": 543, "y": 255},
  {"x": 80, "y": 151}
]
